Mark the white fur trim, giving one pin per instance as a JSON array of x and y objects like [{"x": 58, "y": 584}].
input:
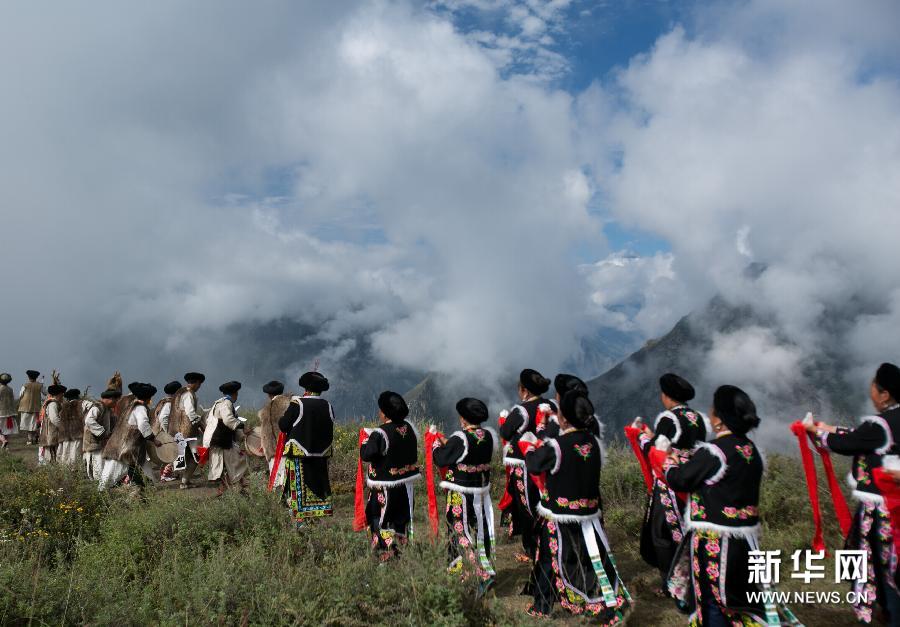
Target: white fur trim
[
  {"x": 888, "y": 439},
  {"x": 675, "y": 421},
  {"x": 851, "y": 481},
  {"x": 552, "y": 443},
  {"x": 513, "y": 461},
  {"x": 524, "y": 413},
  {"x": 746, "y": 532},
  {"x": 300, "y": 415},
  {"x": 465, "y": 441},
  {"x": 663, "y": 444},
  {"x": 867, "y": 497},
  {"x": 387, "y": 443},
  {"x": 504, "y": 413},
  {"x": 715, "y": 451},
  {"x": 446, "y": 485},
  {"x": 565, "y": 518},
  {"x": 372, "y": 483},
  {"x": 495, "y": 440},
  {"x": 890, "y": 462},
  {"x": 707, "y": 425}
]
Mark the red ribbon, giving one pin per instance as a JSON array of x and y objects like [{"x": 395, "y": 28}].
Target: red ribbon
[
  {"x": 837, "y": 497},
  {"x": 202, "y": 455},
  {"x": 279, "y": 453},
  {"x": 506, "y": 500},
  {"x": 632, "y": 434},
  {"x": 359, "y": 507},
  {"x": 430, "y": 439},
  {"x": 888, "y": 487},
  {"x": 809, "y": 469}
]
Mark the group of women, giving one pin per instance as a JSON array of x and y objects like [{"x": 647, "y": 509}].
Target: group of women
[{"x": 703, "y": 515}]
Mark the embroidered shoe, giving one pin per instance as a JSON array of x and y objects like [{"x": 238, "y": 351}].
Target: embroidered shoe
[{"x": 536, "y": 614}]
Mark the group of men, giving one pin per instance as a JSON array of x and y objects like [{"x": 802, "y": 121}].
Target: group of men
[{"x": 111, "y": 436}]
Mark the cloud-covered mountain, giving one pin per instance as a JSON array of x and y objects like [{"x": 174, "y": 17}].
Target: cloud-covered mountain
[{"x": 727, "y": 343}]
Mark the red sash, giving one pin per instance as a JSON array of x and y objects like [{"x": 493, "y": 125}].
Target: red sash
[
  {"x": 891, "y": 492},
  {"x": 632, "y": 434},
  {"x": 430, "y": 439},
  {"x": 279, "y": 453},
  {"x": 359, "y": 507},
  {"x": 506, "y": 500}
]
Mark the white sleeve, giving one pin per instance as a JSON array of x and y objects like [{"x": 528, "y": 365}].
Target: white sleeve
[
  {"x": 21, "y": 391},
  {"x": 187, "y": 404},
  {"x": 143, "y": 420},
  {"x": 227, "y": 415},
  {"x": 53, "y": 413},
  {"x": 164, "y": 416},
  {"x": 90, "y": 421}
]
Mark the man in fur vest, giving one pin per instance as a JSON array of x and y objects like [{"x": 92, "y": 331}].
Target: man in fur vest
[
  {"x": 99, "y": 421},
  {"x": 126, "y": 450},
  {"x": 185, "y": 418},
  {"x": 71, "y": 428},
  {"x": 8, "y": 412},
  {"x": 48, "y": 437},
  {"x": 269, "y": 415},
  {"x": 30, "y": 398},
  {"x": 222, "y": 436}
]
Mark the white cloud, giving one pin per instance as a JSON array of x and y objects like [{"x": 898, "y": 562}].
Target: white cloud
[
  {"x": 363, "y": 166},
  {"x": 778, "y": 124}
]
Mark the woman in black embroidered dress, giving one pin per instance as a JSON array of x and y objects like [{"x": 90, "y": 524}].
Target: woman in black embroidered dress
[
  {"x": 875, "y": 438},
  {"x": 574, "y": 564},
  {"x": 467, "y": 456},
  {"x": 663, "y": 527},
  {"x": 710, "y": 573},
  {"x": 392, "y": 453}
]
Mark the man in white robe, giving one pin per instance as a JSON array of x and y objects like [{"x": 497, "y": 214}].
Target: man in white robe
[{"x": 222, "y": 436}]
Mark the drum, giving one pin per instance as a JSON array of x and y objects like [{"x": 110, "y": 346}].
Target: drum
[
  {"x": 164, "y": 454},
  {"x": 253, "y": 442}
]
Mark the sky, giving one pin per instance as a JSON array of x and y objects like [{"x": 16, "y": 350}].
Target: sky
[{"x": 472, "y": 185}]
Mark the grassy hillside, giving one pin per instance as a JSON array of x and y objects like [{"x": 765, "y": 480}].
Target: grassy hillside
[{"x": 70, "y": 555}]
